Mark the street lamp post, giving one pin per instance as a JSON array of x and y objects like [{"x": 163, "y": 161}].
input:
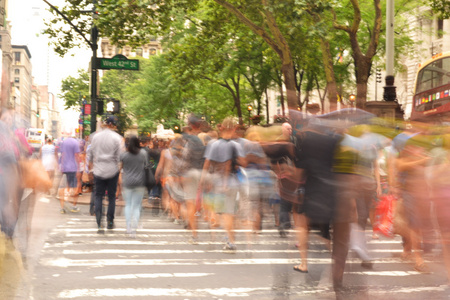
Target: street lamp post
[
  {"x": 249, "y": 109},
  {"x": 352, "y": 99}
]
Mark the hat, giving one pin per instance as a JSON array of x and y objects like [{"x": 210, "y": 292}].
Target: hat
[
  {"x": 194, "y": 120},
  {"x": 111, "y": 120}
]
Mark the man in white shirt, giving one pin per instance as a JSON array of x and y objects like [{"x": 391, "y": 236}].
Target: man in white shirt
[{"x": 104, "y": 156}]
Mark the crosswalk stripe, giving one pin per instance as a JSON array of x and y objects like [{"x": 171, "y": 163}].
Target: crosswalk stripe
[
  {"x": 134, "y": 251},
  {"x": 155, "y": 292},
  {"x": 229, "y": 292},
  {"x": 163, "y": 243},
  {"x": 152, "y": 275},
  {"x": 65, "y": 262}
]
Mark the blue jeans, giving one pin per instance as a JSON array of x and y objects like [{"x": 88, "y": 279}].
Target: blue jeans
[
  {"x": 101, "y": 186},
  {"x": 133, "y": 203}
]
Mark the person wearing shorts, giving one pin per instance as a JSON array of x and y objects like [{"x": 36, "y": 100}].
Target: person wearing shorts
[
  {"x": 221, "y": 160},
  {"x": 70, "y": 150}
]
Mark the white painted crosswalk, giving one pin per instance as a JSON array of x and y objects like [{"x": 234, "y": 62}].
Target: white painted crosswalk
[{"x": 160, "y": 263}]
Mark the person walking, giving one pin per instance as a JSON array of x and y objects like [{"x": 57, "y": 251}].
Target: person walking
[
  {"x": 219, "y": 175},
  {"x": 49, "y": 158},
  {"x": 70, "y": 150},
  {"x": 133, "y": 162},
  {"x": 104, "y": 155},
  {"x": 193, "y": 163}
]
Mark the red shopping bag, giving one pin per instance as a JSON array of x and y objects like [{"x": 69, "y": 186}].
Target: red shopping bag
[{"x": 384, "y": 216}]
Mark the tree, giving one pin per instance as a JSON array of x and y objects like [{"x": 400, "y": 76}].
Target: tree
[
  {"x": 441, "y": 7},
  {"x": 159, "y": 98},
  {"x": 74, "y": 88}
]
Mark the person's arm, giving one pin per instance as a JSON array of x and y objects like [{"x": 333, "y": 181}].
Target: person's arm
[
  {"x": 205, "y": 171},
  {"x": 377, "y": 176},
  {"x": 160, "y": 167},
  {"x": 77, "y": 159}
]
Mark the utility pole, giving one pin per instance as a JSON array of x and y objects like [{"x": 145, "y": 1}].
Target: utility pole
[
  {"x": 94, "y": 46},
  {"x": 390, "y": 93}
]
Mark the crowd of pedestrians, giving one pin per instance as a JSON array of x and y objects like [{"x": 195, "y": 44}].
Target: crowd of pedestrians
[{"x": 328, "y": 174}]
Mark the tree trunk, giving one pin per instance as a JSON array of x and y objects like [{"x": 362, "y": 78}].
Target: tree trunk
[
  {"x": 329, "y": 74},
  {"x": 362, "y": 72},
  {"x": 282, "y": 99}
]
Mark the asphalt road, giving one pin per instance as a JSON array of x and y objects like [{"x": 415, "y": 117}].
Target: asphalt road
[{"x": 67, "y": 259}]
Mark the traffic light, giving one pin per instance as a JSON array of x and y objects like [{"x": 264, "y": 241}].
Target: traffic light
[
  {"x": 379, "y": 75},
  {"x": 37, "y": 114}
]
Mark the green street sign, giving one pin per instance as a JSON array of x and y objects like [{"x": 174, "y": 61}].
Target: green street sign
[
  {"x": 87, "y": 122},
  {"x": 115, "y": 63}
]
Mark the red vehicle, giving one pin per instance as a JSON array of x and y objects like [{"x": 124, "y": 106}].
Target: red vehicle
[{"x": 432, "y": 89}]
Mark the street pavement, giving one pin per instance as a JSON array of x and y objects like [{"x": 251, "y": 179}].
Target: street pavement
[{"x": 68, "y": 259}]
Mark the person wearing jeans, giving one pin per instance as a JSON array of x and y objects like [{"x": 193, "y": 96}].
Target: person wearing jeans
[
  {"x": 104, "y": 157},
  {"x": 133, "y": 162}
]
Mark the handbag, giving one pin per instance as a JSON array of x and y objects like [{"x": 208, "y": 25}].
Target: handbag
[
  {"x": 150, "y": 181},
  {"x": 384, "y": 216},
  {"x": 34, "y": 175}
]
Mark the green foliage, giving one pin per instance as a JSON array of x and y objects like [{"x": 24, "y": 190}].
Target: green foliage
[
  {"x": 214, "y": 63},
  {"x": 441, "y": 8},
  {"x": 75, "y": 89}
]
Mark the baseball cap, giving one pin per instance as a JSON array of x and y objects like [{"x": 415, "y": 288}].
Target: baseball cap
[{"x": 111, "y": 120}]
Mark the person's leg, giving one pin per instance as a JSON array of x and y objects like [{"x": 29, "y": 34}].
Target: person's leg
[
  {"x": 345, "y": 213},
  {"x": 79, "y": 182},
  {"x": 301, "y": 223},
  {"x": 136, "y": 205},
  {"x": 92, "y": 202},
  {"x": 127, "y": 196},
  {"x": 358, "y": 237},
  {"x": 341, "y": 238},
  {"x": 111, "y": 188},
  {"x": 192, "y": 219},
  {"x": 285, "y": 222},
  {"x": 229, "y": 226},
  {"x": 72, "y": 184},
  {"x": 100, "y": 188}
]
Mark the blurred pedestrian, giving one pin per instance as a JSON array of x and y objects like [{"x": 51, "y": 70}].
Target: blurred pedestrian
[
  {"x": 104, "y": 156},
  {"x": 219, "y": 175},
  {"x": 193, "y": 159},
  {"x": 49, "y": 158},
  {"x": 70, "y": 162},
  {"x": 134, "y": 160}
]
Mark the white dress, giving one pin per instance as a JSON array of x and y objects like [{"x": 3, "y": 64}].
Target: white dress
[{"x": 48, "y": 157}]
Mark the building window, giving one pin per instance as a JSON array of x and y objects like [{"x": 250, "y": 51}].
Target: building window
[
  {"x": 17, "y": 57},
  {"x": 139, "y": 52},
  {"x": 118, "y": 50},
  {"x": 440, "y": 28},
  {"x": 152, "y": 51},
  {"x": 17, "y": 71},
  {"x": 16, "y": 80}
]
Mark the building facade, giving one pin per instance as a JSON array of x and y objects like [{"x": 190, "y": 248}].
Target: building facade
[
  {"x": 22, "y": 79},
  {"x": 431, "y": 36},
  {"x": 153, "y": 48}
]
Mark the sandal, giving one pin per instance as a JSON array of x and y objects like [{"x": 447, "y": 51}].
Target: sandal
[
  {"x": 298, "y": 269},
  {"x": 422, "y": 268},
  {"x": 406, "y": 256}
]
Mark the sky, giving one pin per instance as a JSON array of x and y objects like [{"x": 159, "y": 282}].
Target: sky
[{"x": 48, "y": 68}]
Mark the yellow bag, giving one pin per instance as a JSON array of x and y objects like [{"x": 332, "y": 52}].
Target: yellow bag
[{"x": 34, "y": 175}]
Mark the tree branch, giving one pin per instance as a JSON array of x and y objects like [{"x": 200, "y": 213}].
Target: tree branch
[
  {"x": 71, "y": 24},
  {"x": 255, "y": 28}
]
